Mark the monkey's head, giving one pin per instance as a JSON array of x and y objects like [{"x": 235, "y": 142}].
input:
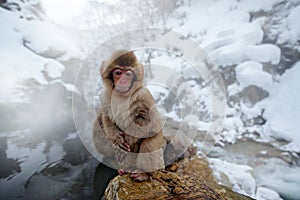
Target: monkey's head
[{"x": 122, "y": 72}]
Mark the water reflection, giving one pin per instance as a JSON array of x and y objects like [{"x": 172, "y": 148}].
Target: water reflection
[
  {"x": 44, "y": 168},
  {"x": 9, "y": 166}
]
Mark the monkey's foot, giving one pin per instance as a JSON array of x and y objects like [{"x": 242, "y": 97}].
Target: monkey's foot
[
  {"x": 135, "y": 175},
  {"x": 139, "y": 176},
  {"x": 122, "y": 172}
]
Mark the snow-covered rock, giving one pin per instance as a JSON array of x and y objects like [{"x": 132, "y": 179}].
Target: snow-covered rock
[
  {"x": 263, "y": 193},
  {"x": 239, "y": 177},
  {"x": 49, "y": 41},
  {"x": 251, "y": 73},
  {"x": 53, "y": 68},
  {"x": 293, "y": 24},
  {"x": 238, "y": 52},
  {"x": 283, "y": 110},
  {"x": 28, "y": 42}
]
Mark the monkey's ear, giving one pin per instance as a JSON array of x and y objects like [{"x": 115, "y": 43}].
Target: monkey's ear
[
  {"x": 102, "y": 68},
  {"x": 139, "y": 70}
]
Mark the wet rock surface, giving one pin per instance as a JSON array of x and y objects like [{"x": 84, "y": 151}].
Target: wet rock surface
[{"x": 186, "y": 179}]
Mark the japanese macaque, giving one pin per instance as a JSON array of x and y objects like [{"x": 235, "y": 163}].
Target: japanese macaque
[{"x": 128, "y": 117}]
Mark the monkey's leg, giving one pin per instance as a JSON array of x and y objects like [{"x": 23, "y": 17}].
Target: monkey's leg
[{"x": 150, "y": 157}]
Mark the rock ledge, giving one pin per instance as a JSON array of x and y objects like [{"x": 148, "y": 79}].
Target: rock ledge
[{"x": 186, "y": 179}]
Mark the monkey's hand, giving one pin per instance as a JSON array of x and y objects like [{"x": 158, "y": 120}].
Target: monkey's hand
[
  {"x": 124, "y": 145},
  {"x": 118, "y": 139}
]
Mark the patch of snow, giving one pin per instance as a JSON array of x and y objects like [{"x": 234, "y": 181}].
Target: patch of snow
[
  {"x": 257, "y": 5},
  {"x": 68, "y": 86},
  {"x": 46, "y": 39},
  {"x": 293, "y": 24},
  {"x": 63, "y": 12},
  {"x": 192, "y": 120},
  {"x": 53, "y": 68},
  {"x": 256, "y": 110},
  {"x": 238, "y": 52},
  {"x": 238, "y": 177},
  {"x": 283, "y": 110},
  {"x": 248, "y": 33},
  {"x": 231, "y": 131},
  {"x": 251, "y": 73},
  {"x": 263, "y": 193},
  {"x": 19, "y": 62},
  {"x": 191, "y": 72}
]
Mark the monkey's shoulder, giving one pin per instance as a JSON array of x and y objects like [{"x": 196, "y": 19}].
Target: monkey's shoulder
[{"x": 143, "y": 94}]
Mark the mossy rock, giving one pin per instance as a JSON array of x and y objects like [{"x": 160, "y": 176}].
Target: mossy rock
[{"x": 186, "y": 179}]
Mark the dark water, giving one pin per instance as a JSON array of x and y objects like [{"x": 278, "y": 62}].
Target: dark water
[{"x": 35, "y": 168}]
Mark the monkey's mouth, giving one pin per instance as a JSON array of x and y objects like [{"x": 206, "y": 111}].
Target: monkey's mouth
[{"x": 122, "y": 89}]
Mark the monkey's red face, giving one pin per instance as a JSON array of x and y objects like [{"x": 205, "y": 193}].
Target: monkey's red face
[{"x": 123, "y": 79}]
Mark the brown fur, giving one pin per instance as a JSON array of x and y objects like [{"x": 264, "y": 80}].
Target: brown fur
[{"x": 133, "y": 113}]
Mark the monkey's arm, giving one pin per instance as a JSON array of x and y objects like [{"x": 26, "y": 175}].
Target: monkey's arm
[
  {"x": 102, "y": 144},
  {"x": 113, "y": 134},
  {"x": 144, "y": 120}
]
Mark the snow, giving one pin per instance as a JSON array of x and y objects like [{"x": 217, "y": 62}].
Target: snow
[
  {"x": 238, "y": 177},
  {"x": 239, "y": 52},
  {"x": 19, "y": 62},
  {"x": 191, "y": 72},
  {"x": 69, "y": 87},
  {"x": 283, "y": 110},
  {"x": 234, "y": 40},
  {"x": 251, "y": 73},
  {"x": 249, "y": 33},
  {"x": 46, "y": 38},
  {"x": 257, "y": 5},
  {"x": 53, "y": 68},
  {"x": 62, "y": 12},
  {"x": 232, "y": 129},
  {"x": 282, "y": 178},
  {"x": 293, "y": 24},
  {"x": 263, "y": 193}
]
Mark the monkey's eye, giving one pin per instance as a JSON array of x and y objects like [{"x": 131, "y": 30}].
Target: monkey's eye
[
  {"x": 129, "y": 74},
  {"x": 117, "y": 72}
]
